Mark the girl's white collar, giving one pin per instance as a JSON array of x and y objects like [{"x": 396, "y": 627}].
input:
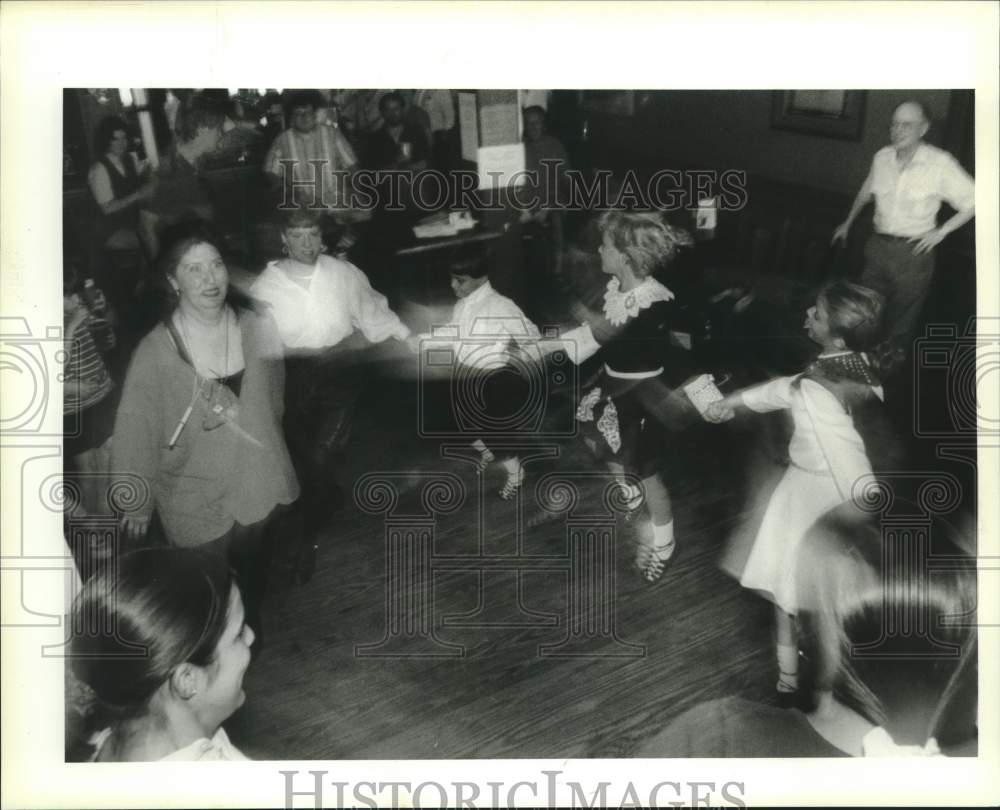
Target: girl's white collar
[{"x": 620, "y": 306}]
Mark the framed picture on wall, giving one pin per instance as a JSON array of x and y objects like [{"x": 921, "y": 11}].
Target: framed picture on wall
[{"x": 828, "y": 113}]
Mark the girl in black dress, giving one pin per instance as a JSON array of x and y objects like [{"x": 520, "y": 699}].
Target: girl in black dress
[{"x": 621, "y": 415}]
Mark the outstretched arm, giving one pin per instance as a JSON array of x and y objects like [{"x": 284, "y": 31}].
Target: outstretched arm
[{"x": 860, "y": 201}]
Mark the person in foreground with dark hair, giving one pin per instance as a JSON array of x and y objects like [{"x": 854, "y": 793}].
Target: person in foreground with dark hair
[
  {"x": 828, "y": 454},
  {"x": 161, "y": 640},
  {"x": 200, "y": 418},
  {"x": 912, "y": 696}
]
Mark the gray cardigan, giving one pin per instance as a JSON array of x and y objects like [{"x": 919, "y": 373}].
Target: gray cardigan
[{"x": 211, "y": 478}]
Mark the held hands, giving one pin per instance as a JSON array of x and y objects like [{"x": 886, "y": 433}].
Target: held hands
[
  {"x": 927, "y": 242},
  {"x": 721, "y": 410}
]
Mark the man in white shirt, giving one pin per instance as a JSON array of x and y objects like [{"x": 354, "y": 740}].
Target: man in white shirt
[{"x": 908, "y": 180}]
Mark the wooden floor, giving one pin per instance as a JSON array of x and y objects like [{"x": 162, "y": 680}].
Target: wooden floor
[
  {"x": 695, "y": 635},
  {"x": 316, "y": 692}
]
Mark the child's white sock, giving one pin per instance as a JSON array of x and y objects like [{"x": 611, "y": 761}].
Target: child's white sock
[
  {"x": 788, "y": 668},
  {"x": 513, "y": 467},
  {"x": 485, "y": 456},
  {"x": 663, "y": 538}
]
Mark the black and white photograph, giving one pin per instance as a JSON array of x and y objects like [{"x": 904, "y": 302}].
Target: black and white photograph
[{"x": 498, "y": 447}]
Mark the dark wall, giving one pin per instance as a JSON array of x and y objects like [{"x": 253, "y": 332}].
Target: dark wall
[{"x": 731, "y": 129}]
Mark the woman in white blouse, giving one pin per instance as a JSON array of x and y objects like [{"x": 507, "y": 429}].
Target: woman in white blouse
[
  {"x": 325, "y": 309},
  {"x": 162, "y": 641}
]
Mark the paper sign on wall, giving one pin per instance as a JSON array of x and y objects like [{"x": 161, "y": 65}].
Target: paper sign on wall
[
  {"x": 498, "y": 124},
  {"x": 500, "y": 166}
]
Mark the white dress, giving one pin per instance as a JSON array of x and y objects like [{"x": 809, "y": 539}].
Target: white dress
[{"x": 827, "y": 456}]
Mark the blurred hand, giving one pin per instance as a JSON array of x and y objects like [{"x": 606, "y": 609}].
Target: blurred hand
[
  {"x": 720, "y": 411},
  {"x": 840, "y": 233}
]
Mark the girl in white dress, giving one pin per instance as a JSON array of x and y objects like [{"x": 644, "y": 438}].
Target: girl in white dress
[{"x": 827, "y": 454}]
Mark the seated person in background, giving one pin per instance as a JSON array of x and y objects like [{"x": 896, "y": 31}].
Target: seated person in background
[
  {"x": 482, "y": 328},
  {"x": 439, "y": 109},
  {"x": 180, "y": 192},
  {"x": 120, "y": 190},
  {"x": 545, "y": 163},
  {"x": 318, "y": 302},
  {"x": 901, "y": 704},
  {"x": 397, "y": 144},
  {"x": 304, "y": 142},
  {"x": 184, "y": 611},
  {"x": 358, "y": 111},
  {"x": 548, "y": 181},
  {"x": 89, "y": 395}
]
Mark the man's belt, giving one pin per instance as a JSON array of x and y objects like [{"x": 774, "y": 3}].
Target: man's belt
[{"x": 892, "y": 238}]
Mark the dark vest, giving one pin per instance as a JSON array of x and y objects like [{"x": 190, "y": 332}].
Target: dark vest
[{"x": 122, "y": 185}]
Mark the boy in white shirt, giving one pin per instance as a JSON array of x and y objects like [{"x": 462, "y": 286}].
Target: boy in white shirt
[{"x": 488, "y": 374}]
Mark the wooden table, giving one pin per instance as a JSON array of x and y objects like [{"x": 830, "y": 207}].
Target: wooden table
[{"x": 468, "y": 237}]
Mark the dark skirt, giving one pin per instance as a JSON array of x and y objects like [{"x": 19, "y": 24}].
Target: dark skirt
[{"x": 630, "y": 422}]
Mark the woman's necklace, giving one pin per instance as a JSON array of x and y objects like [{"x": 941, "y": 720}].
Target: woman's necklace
[
  {"x": 220, "y": 400},
  {"x": 205, "y": 369}
]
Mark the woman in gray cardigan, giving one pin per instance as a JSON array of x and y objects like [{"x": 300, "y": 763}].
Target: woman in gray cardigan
[{"x": 200, "y": 419}]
